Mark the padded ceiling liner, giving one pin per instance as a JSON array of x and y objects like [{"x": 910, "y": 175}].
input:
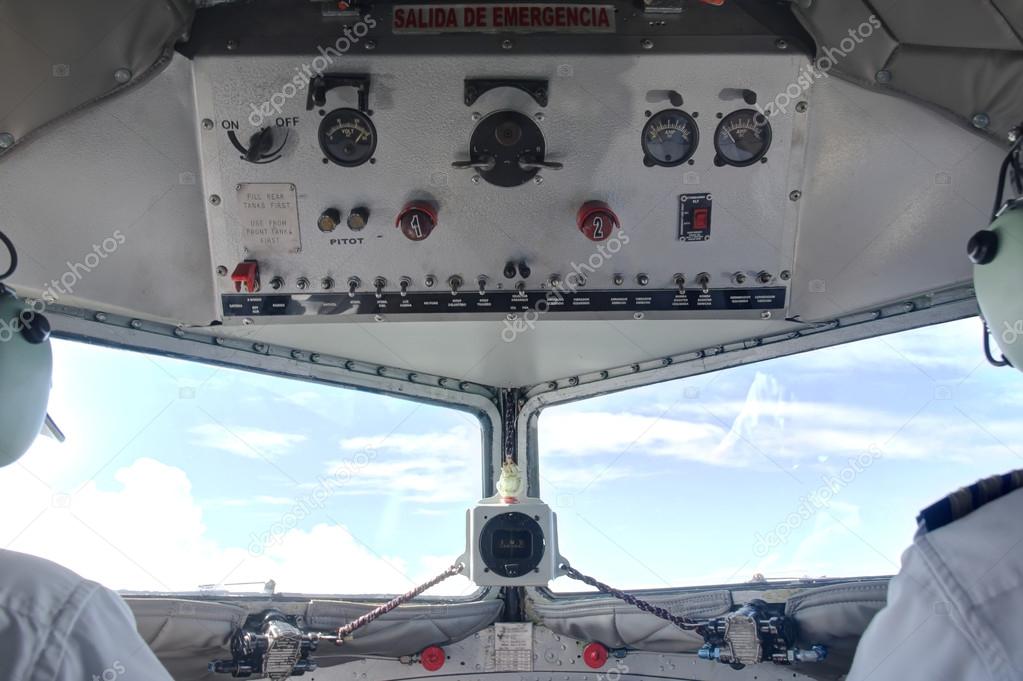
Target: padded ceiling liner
[
  {"x": 62, "y": 55},
  {"x": 962, "y": 57}
]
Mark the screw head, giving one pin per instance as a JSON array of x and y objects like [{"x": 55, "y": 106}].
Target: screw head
[
  {"x": 122, "y": 75},
  {"x": 135, "y": 323},
  {"x": 539, "y": 116},
  {"x": 232, "y": 44},
  {"x": 221, "y": 271},
  {"x": 214, "y": 200},
  {"x": 507, "y": 44},
  {"x": 646, "y": 44},
  {"x": 766, "y": 314},
  {"x": 795, "y": 195},
  {"x": 538, "y": 179},
  {"x": 371, "y": 45},
  {"x": 781, "y": 44},
  {"x": 883, "y": 76},
  {"x": 207, "y": 124},
  {"x": 981, "y": 120},
  {"x": 801, "y": 107},
  {"x": 100, "y": 316},
  {"x": 475, "y": 179},
  {"x": 785, "y": 275},
  {"x": 6, "y": 140}
]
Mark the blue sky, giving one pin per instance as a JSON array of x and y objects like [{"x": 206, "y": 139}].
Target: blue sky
[{"x": 176, "y": 474}]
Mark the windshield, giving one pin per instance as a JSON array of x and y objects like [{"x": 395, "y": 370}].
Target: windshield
[
  {"x": 177, "y": 474},
  {"x": 809, "y": 465}
]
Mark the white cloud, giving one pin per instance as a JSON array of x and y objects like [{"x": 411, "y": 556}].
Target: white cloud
[
  {"x": 251, "y": 443},
  {"x": 442, "y": 467},
  {"x": 149, "y": 534}
]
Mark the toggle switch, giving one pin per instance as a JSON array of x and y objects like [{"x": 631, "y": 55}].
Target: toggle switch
[
  {"x": 680, "y": 282},
  {"x": 403, "y": 284},
  {"x": 481, "y": 283},
  {"x": 703, "y": 281},
  {"x": 454, "y": 283},
  {"x": 417, "y": 220},
  {"x": 596, "y": 220},
  {"x": 353, "y": 285},
  {"x": 246, "y": 277},
  {"x": 378, "y": 286}
]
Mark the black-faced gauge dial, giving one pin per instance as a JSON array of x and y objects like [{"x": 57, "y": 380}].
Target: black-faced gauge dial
[
  {"x": 670, "y": 138},
  {"x": 742, "y": 138},
  {"x": 347, "y": 137}
]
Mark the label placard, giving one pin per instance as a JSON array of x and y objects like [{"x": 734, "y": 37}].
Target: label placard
[
  {"x": 503, "y": 18},
  {"x": 513, "y": 647},
  {"x": 268, "y": 216}
]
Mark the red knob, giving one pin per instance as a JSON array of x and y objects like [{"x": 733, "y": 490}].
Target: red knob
[
  {"x": 595, "y": 655},
  {"x": 596, "y": 220},
  {"x": 416, "y": 220},
  {"x": 432, "y": 658}
]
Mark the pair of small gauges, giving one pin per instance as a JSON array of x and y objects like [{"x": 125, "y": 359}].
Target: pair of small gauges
[{"x": 671, "y": 137}]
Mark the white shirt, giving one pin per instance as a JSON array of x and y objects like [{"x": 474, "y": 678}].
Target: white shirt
[
  {"x": 57, "y": 626},
  {"x": 955, "y": 610}
]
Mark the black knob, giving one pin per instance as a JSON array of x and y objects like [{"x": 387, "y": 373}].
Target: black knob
[
  {"x": 524, "y": 270},
  {"x": 329, "y": 220},
  {"x": 36, "y": 330},
  {"x": 358, "y": 218},
  {"x": 509, "y": 270},
  {"x": 982, "y": 247}
]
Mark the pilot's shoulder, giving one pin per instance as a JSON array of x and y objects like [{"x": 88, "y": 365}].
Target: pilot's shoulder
[
  {"x": 34, "y": 587},
  {"x": 966, "y": 500}
]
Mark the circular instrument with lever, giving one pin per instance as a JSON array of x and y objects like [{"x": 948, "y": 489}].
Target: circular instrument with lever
[{"x": 507, "y": 149}]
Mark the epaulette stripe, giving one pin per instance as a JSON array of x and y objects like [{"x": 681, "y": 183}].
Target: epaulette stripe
[{"x": 964, "y": 501}]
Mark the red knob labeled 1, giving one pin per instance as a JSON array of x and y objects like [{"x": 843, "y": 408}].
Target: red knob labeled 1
[
  {"x": 596, "y": 220},
  {"x": 416, "y": 220}
]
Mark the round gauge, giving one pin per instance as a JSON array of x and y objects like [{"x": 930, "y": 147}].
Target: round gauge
[
  {"x": 670, "y": 138},
  {"x": 742, "y": 138},
  {"x": 347, "y": 137}
]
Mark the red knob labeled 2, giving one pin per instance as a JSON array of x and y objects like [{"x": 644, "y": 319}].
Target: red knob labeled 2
[
  {"x": 596, "y": 220},
  {"x": 416, "y": 220}
]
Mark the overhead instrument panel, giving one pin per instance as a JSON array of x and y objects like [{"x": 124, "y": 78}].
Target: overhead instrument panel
[{"x": 500, "y": 185}]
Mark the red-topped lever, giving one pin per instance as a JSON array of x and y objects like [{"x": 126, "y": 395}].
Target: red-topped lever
[{"x": 246, "y": 277}]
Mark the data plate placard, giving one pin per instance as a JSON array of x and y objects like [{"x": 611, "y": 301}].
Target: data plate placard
[{"x": 268, "y": 218}]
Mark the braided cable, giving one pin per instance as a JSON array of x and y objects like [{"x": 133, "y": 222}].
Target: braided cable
[
  {"x": 680, "y": 622},
  {"x": 390, "y": 605}
]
